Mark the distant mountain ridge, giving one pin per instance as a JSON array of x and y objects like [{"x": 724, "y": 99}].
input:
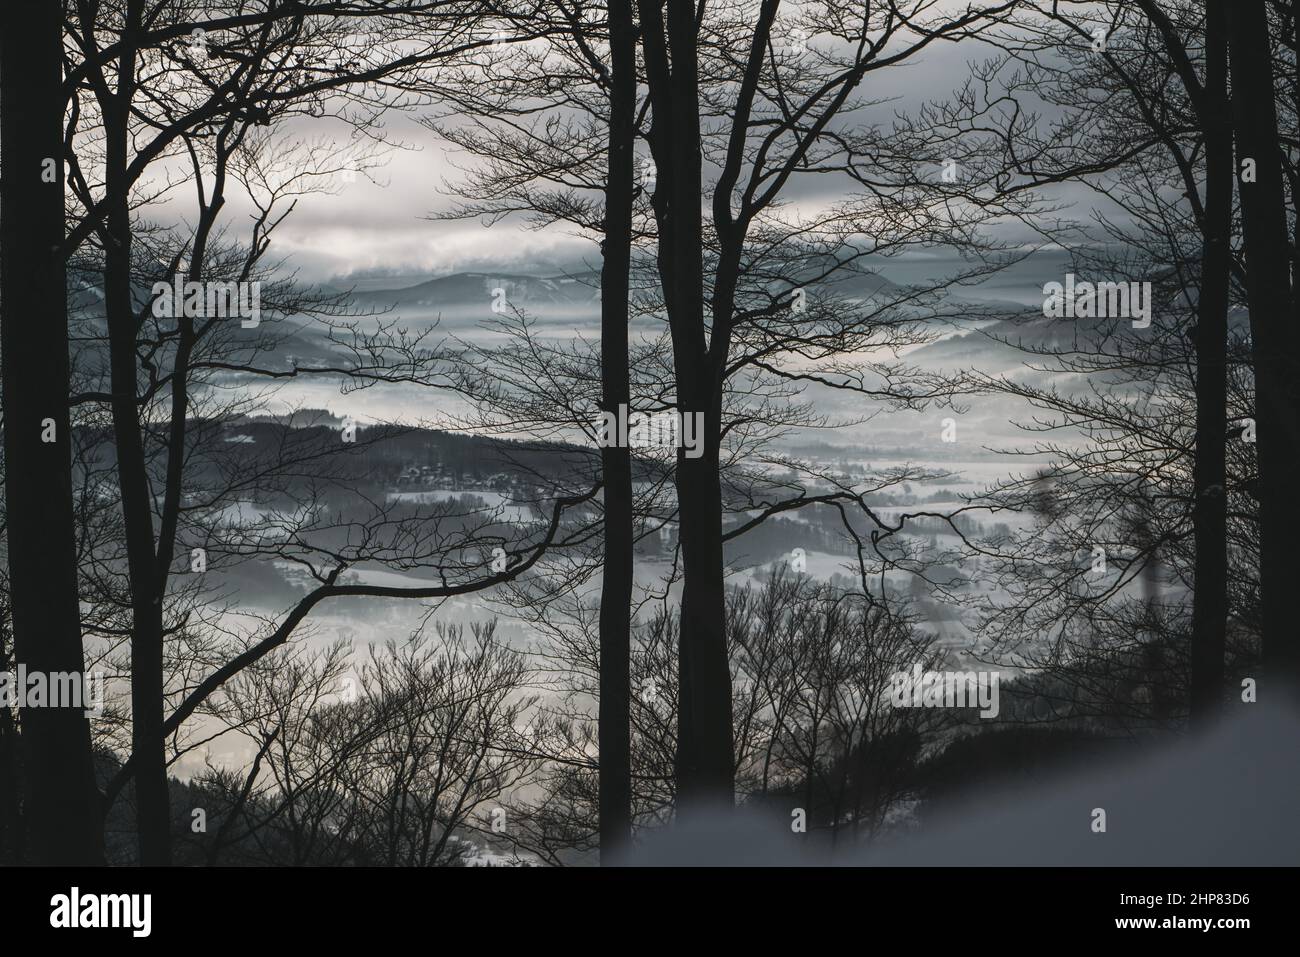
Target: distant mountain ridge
[
  {"x": 468, "y": 289},
  {"x": 578, "y": 289},
  {"x": 1000, "y": 344}
]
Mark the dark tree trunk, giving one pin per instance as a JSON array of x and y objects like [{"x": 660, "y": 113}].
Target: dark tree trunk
[
  {"x": 704, "y": 757},
  {"x": 1295, "y": 177},
  {"x": 616, "y": 463},
  {"x": 1210, "y": 511},
  {"x": 704, "y": 747},
  {"x": 11, "y": 834},
  {"x": 147, "y": 745},
  {"x": 1273, "y": 336},
  {"x": 153, "y": 815},
  {"x": 61, "y": 806}
]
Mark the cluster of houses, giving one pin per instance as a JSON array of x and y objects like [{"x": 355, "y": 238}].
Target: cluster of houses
[{"x": 440, "y": 478}]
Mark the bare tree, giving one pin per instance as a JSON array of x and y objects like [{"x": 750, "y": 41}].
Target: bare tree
[
  {"x": 204, "y": 105},
  {"x": 1275, "y": 348},
  {"x": 60, "y": 801},
  {"x": 616, "y": 462},
  {"x": 774, "y": 117},
  {"x": 1160, "y": 70},
  {"x": 403, "y": 764}
]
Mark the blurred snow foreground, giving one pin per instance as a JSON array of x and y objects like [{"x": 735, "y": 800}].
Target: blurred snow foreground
[{"x": 1230, "y": 797}]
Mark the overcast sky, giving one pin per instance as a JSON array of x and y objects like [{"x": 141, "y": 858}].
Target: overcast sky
[{"x": 383, "y": 228}]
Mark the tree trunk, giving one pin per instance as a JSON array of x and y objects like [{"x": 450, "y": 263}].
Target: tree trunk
[
  {"x": 1210, "y": 511},
  {"x": 616, "y": 463},
  {"x": 1273, "y": 337},
  {"x": 704, "y": 745},
  {"x": 11, "y": 835},
  {"x": 704, "y": 762},
  {"x": 147, "y": 745},
  {"x": 60, "y": 801},
  {"x": 153, "y": 815}
]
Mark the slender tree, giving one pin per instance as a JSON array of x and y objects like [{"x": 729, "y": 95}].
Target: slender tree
[
  {"x": 1210, "y": 105},
  {"x": 670, "y": 37},
  {"x": 616, "y": 461},
  {"x": 773, "y": 116},
  {"x": 60, "y": 800},
  {"x": 148, "y": 92},
  {"x": 1210, "y": 476},
  {"x": 1272, "y": 328},
  {"x": 1161, "y": 69}
]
